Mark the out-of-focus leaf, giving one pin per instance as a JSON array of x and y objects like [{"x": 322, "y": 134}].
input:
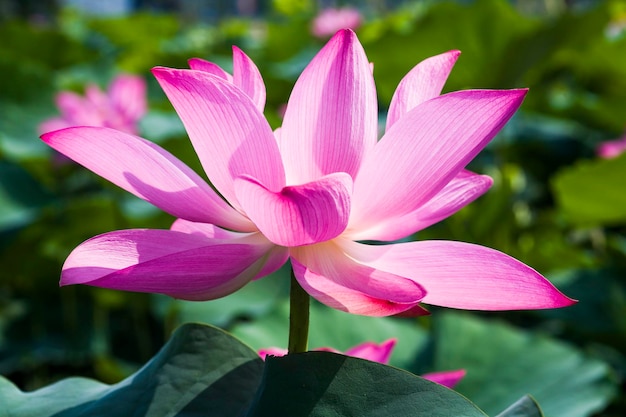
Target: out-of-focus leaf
[
  {"x": 524, "y": 407},
  {"x": 19, "y": 138},
  {"x": 327, "y": 384},
  {"x": 158, "y": 126},
  {"x": 600, "y": 314},
  {"x": 593, "y": 192},
  {"x": 28, "y": 56},
  {"x": 201, "y": 369},
  {"x": 250, "y": 302},
  {"x": 503, "y": 364},
  {"x": 483, "y": 30},
  {"x": 20, "y": 196}
]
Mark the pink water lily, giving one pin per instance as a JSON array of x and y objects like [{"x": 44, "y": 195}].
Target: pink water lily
[
  {"x": 120, "y": 107},
  {"x": 612, "y": 148},
  {"x": 310, "y": 191},
  {"x": 330, "y": 20},
  {"x": 381, "y": 353}
]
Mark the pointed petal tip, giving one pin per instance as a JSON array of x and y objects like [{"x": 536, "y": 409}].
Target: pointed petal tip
[
  {"x": 563, "y": 301},
  {"x": 520, "y": 92},
  {"x": 49, "y": 137},
  {"x": 415, "y": 311},
  {"x": 344, "y": 35},
  {"x": 452, "y": 53},
  {"x": 159, "y": 69},
  {"x": 190, "y": 62}
]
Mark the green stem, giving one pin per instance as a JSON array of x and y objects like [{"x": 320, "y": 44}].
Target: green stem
[{"x": 298, "y": 317}]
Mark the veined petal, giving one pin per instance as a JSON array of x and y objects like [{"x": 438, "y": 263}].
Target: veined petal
[
  {"x": 246, "y": 76},
  {"x": 230, "y": 135},
  {"x": 148, "y": 171},
  {"x": 183, "y": 266},
  {"x": 128, "y": 94},
  {"x": 298, "y": 215},
  {"x": 275, "y": 257},
  {"x": 463, "y": 275},
  {"x": 423, "y": 82},
  {"x": 210, "y": 67},
  {"x": 333, "y": 278},
  {"x": 425, "y": 149},
  {"x": 446, "y": 378},
  {"x": 462, "y": 190},
  {"x": 331, "y": 117}
]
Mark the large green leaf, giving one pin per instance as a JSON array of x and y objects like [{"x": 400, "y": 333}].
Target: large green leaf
[
  {"x": 592, "y": 192},
  {"x": 200, "y": 369},
  {"x": 524, "y": 407},
  {"x": 327, "y": 384},
  {"x": 504, "y": 363},
  {"x": 205, "y": 371}
]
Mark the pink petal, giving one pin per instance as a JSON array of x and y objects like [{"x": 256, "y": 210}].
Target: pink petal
[
  {"x": 206, "y": 66},
  {"x": 52, "y": 124},
  {"x": 272, "y": 351},
  {"x": 423, "y": 82},
  {"x": 462, "y": 190},
  {"x": 96, "y": 96},
  {"x": 611, "y": 148},
  {"x": 162, "y": 261},
  {"x": 148, "y": 171},
  {"x": 425, "y": 149},
  {"x": 446, "y": 378},
  {"x": 373, "y": 351},
  {"x": 207, "y": 230},
  {"x": 331, "y": 277},
  {"x": 69, "y": 102},
  {"x": 298, "y": 215},
  {"x": 330, "y": 20},
  {"x": 128, "y": 95},
  {"x": 230, "y": 135},
  {"x": 275, "y": 257},
  {"x": 463, "y": 275},
  {"x": 331, "y": 118},
  {"x": 78, "y": 111},
  {"x": 246, "y": 76}
]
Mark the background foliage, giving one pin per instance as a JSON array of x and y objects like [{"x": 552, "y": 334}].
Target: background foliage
[{"x": 554, "y": 205}]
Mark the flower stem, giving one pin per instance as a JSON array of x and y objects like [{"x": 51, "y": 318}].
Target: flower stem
[{"x": 298, "y": 317}]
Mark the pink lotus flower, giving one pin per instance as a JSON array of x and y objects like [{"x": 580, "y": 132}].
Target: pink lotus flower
[
  {"x": 310, "y": 191},
  {"x": 119, "y": 108},
  {"x": 378, "y": 353},
  {"x": 329, "y": 21},
  {"x": 612, "y": 148}
]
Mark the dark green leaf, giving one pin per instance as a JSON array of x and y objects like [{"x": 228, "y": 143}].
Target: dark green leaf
[
  {"x": 201, "y": 369},
  {"x": 327, "y": 384},
  {"x": 524, "y": 407}
]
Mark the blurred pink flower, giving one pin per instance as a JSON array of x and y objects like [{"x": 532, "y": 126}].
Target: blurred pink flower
[
  {"x": 329, "y": 21},
  {"x": 612, "y": 148},
  {"x": 119, "y": 108},
  {"x": 378, "y": 353},
  {"x": 310, "y": 192}
]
